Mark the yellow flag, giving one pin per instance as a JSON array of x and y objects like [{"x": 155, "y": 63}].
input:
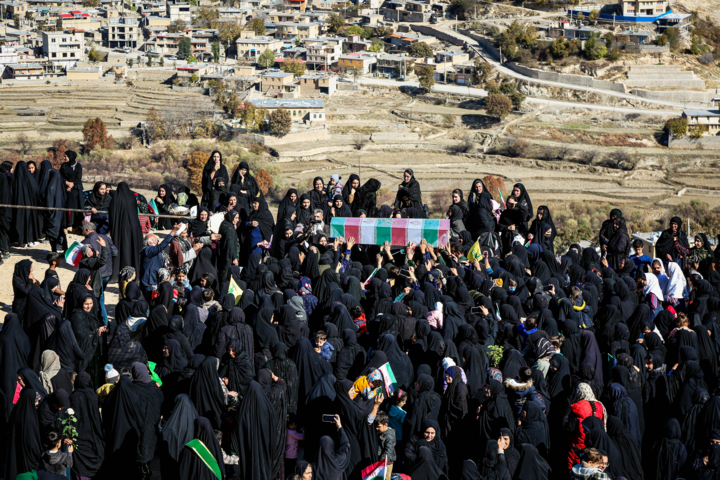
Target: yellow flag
[
  {"x": 475, "y": 253},
  {"x": 235, "y": 290}
]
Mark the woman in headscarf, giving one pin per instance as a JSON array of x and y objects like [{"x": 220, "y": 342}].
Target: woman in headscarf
[
  {"x": 235, "y": 329},
  {"x": 52, "y": 375},
  {"x": 318, "y": 197},
  {"x": 228, "y": 248},
  {"x": 427, "y": 405},
  {"x": 310, "y": 367},
  {"x": 14, "y": 353},
  {"x": 206, "y": 392},
  {"x": 150, "y": 402},
  {"x": 55, "y": 197},
  {"x": 23, "y": 281},
  {"x": 84, "y": 402},
  {"x": 424, "y": 468},
  {"x": 584, "y": 405},
  {"x": 123, "y": 351},
  {"x": 24, "y": 447},
  {"x": 673, "y": 246},
  {"x": 24, "y": 191},
  {"x": 125, "y": 229},
  {"x": 123, "y": 426},
  {"x": 274, "y": 390},
  {"x": 542, "y": 230},
  {"x": 339, "y": 209},
  {"x": 332, "y": 461},
  {"x": 531, "y": 465},
  {"x": 71, "y": 172},
  {"x": 285, "y": 370},
  {"x": 366, "y": 198},
  {"x": 245, "y": 186},
  {"x": 533, "y": 428},
  {"x": 42, "y": 301},
  {"x": 409, "y": 194},
  {"x": 668, "y": 454},
  {"x": 99, "y": 201},
  {"x": 173, "y": 359},
  {"x": 524, "y": 204},
  {"x": 631, "y": 466},
  {"x": 618, "y": 245},
  {"x": 164, "y": 200},
  {"x": 496, "y": 412},
  {"x": 304, "y": 210},
  {"x": 258, "y": 228},
  {"x": 254, "y": 436},
  {"x": 177, "y": 431},
  {"x": 428, "y": 437},
  {"x": 480, "y": 219},
  {"x": 88, "y": 329},
  {"x": 591, "y": 354},
  {"x": 202, "y": 457},
  {"x": 215, "y": 178},
  {"x": 624, "y": 408}
]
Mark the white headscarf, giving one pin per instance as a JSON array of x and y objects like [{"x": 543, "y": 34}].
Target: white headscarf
[
  {"x": 676, "y": 285},
  {"x": 653, "y": 286}
]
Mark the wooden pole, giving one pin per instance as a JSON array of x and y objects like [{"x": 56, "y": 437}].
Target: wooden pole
[{"x": 78, "y": 210}]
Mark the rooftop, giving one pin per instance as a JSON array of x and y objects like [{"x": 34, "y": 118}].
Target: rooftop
[{"x": 702, "y": 113}]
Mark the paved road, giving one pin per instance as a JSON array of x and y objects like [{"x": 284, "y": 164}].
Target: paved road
[
  {"x": 511, "y": 73},
  {"x": 479, "y": 92}
]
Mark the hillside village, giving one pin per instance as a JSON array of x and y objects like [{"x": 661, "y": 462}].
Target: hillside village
[{"x": 587, "y": 86}]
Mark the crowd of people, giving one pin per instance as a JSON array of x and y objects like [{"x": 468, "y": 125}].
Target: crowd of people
[{"x": 250, "y": 346}]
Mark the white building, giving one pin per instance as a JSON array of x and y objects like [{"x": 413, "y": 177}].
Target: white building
[{"x": 64, "y": 48}]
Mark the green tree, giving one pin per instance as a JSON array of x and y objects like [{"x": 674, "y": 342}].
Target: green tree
[
  {"x": 383, "y": 32},
  {"x": 481, "y": 71},
  {"x": 377, "y": 45},
  {"x": 517, "y": 99},
  {"x": 130, "y": 62},
  {"x": 162, "y": 61},
  {"x": 614, "y": 54},
  {"x": 216, "y": 51},
  {"x": 420, "y": 49},
  {"x": 280, "y": 122},
  {"x": 257, "y": 25},
  {"x": 426, "y": 76},
  {"x": 247, "y": 115},
  {"x": 673, "y": 37},
  {"x": 296, "y": 67},
  {"x": 661, "y": 40},
  {"x": 355, "y": 30},
  {"x": 149, "y": 61},
  {"x": 508, "y": 88},
  {"x": 205, "y": 16},
  {"x": 192, "y": 59},
  {"x": 336, "y": 22},
  {"x": 194, "y": 78},
  {"x": 184, "y": 48},
  {"x": 266, "y": 59},
  {"x": 678, "y": 127},
  {"x": 498, "y": 105},
  {"x": 696, "y": 132},
  {"x": 594, "y": 50},
  {"x": 16, "y": 21},
  {"x": 94, "y": 55},
  {"x": 232, "y": 104}
]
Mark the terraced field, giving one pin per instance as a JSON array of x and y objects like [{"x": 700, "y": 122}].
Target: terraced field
[{"x": 48, "y": 112}]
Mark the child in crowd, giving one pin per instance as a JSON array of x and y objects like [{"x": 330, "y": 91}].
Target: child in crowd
[
  {"x": 291, "y": 443},
  {"x": 111, "y": 377},
  {"x": 53, "y": 259},
  {"x": 397, "y": 414},
  {"x": 211, "y": 305},
  {"x": 386, "y": 441},
  {"x": 322, "y": 346},
  {"x": 359, "y": 319},
  {"x": 53, "y": 460},
  {"x": 334, "y": 186},
  {"x": 639, "y": 258},
  {"x": 181, "y": 277},
  {"x": 228, "y": 459}
]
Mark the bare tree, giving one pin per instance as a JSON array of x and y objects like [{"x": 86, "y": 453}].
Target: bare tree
[
  {"x": 518, "y": 148},
  {"x": 360, "y": 142},
  {"x": 24, "y": 144},
  {"x": 588, "y": 156},
  {"x": 466, "y": 145},
  {"x": 562, "y": 152}
]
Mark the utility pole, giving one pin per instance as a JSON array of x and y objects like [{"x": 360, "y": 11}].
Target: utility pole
[
  {"x": 456, "y": 23},
  {"x": 613, "y": 20}
]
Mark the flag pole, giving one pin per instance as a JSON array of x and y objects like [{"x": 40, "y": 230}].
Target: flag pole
[{"x": 385, "y": 472}]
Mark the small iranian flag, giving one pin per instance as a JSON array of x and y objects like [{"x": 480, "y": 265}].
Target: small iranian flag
[
  {"x": 152, "y": 206},
  {"x": 73, "y": 254},
  {"x": 376, "y": 471},
  {"x": 388, "y": 379}
]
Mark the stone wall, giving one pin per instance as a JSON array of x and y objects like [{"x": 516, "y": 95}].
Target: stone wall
[
  {"x": 702, "y": 143},
  {"x": 301, "y": 136},
  {"x": 577, "y": 80},
  {"x": 678, "y": 96}
]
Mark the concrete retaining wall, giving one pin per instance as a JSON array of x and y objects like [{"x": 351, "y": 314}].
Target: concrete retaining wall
[
  {"x": 302, "y": 136},
  {"x": 577, "y": 80},
  {"x": 687, "y": 143},
  {"x": 444, "y": 36},
  {"x": 380, "y": 136},
  {"x": 675, "y": 95}
]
